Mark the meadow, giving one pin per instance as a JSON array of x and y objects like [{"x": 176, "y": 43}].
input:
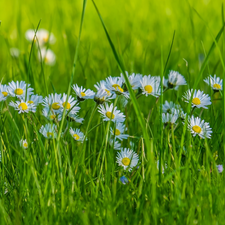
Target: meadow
[{"x": 112, "y": 112}]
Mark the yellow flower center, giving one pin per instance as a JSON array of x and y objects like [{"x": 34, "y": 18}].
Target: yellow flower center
[
  {"x": 67, "y": 105},
  {"x": 196, "y": 101},
  {"x": 23, "y": 106},
  {"x": 18, "y": 91},
  {"x": 117, "y": 87},
  {"x": 126, "y": 161},
  {"x": 45, "y": 39},
  {"x": 148, "y": 88},
  {"x": 55, "y": 106},
  {"x": 4, "y": 93},
  {"x": 117, "y": 132},
  {"x": 52, "y": 117},
  {"x": 197, "y": 129},
  {"x": 217, "y": 86},
  {"x": 25, "y": 145},
  {"x": 108, "y": 92},
  {"x": 49, "y": 134},
  {"x": 30, "y": 102},
  {"x": 110, "y": 115},
  {"x": 83, "y": 94},
  {"x": 46, "y": 59},
  {"x": 76, "y": 137}
]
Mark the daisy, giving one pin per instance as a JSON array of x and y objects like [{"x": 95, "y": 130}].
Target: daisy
[
  {"x": 199, "y": 127},
  {"x": 52, "y": 102},
  {"x": 29, "y": 35},
  {"x": 175, "y": 79},
  {"x": 127, "y": 159},
  {"x": 101, "y": 96},
  {"x": 49, "y": 131},
  {"x": 47, "y": 56},
  {"x": 102, "y": 85},
  {"x": 34, "y": 101},
  {"x": 150, "y": 86},
  {"x": 14, "y": 52},
  {"x": 77, "y": 134},
  {"x": 170, "y": 117},
  {"x": 114, "y": 84},
  {"x": 118, "y": 131},
  {"x": 22, "y": 106},
  {"x": 82, "y": 93},
  {"x": 199, "y": 99},
  {"x": 24, "y": 143},
  {"x": 4, "y": 93},
  {"x": 168, "y": 107},
  {"x": 215, "y": 82},
  {"x": 134, "y": 79},
  {"x": 109, "y": 114},
  {"x": 70, "y": 105},
  {"x": 50, "y": 114},
  {"x": 19, "y": 89},
  {"x": 115, "y": 144},
  {"x": 45, "y": 37}
]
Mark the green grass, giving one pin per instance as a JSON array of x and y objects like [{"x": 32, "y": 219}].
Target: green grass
[{"x": 62, "y": 182}]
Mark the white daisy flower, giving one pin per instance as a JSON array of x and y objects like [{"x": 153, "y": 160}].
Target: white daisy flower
[
  {"x": 49, "y": 131},
  {"x": 42, "y": 35},
  {"x": 199, "y": 127},
  {"x": 119, "y": 131},
  {"x": 108, "y": 113},
  {"x": 175, "y": 79},
  {"x": 77, "y": 134},
  {"x": 101, "y": 96},
  {"x": 14, "y": 52},
  {"x": 50, "y": 114},
  {"x": 45, "y": 37},
  {"x": 102, "y": 85},
  {"x": 52, "y": 102},
  {"x": 215, "y": 82},
  {"x": 127, "y": 159},
  {"x": 19, "y": 89},
  {"x": 150, "y": 86},
  {"x": 22, "y": 106},
  {"x": 134, "y": 79},
  {"x": 199, "y": 100},
  {"x": 168, "y": 107},
  {"x": 34, "y": 101},
  {"x": 170, "y": 117},
  {"x": 71, "y": 104},
  {"x": 4, "y": 93},
  {"x": 115, "y": 144},
  {"x": 24, "y": 143},
  {"x": 114, "y": 84},
  {"x": 47, "y": 56},
  {"x": 82, "y": 93}
]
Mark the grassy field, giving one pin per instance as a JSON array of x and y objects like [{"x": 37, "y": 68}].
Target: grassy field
[{"x": 62, "y": 180}]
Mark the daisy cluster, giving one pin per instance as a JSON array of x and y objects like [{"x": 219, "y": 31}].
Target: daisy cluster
[
  {"x": 42, "y": 38},
  {"x": 54, "y": 105}
]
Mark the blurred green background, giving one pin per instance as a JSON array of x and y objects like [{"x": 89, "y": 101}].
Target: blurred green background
[{"x": 141, "y": 30}]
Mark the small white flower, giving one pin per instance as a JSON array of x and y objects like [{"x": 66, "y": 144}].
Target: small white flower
[
  {"x": 50, "y": 114},
  {"x": 101, "y": 96},
  {"x": 114, "y": 84},
  {"x": 49, "y": 131},
  {"x": 127, "y": 159},
  {"x": 170, "y": 117},
  {"x": 175, "y": 79},
  {"x": 168, "y": 107},
  {"x": 82, "y": 93},
  {"x": 34, "y": 101},
  {"x": 150, "y": 86},
  {"x": 77, "y": 134},
  {"x": 19, "y": 89},
  {"x": 22, "y": 106},
  {"x": 102, "y": 85},
  {"x": 14, "y": 52},
  {"x": 134, "y": 79},
  {"x": 199, "y": 100},
  {"x": 4, "y": 93},
  {"x": 215, "y": 82},
  {"x": 115, "y": 144},
  {"x": 199, "y": 127},
  {"x": 47, "y": 56},
  {"x": 108, "y": 113},
  {"x": 118, "y": 131},
  {"x": 24, "y": 143},
  {"x": 71, "y": 104},
  {"x": 52, "y": 102}
]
